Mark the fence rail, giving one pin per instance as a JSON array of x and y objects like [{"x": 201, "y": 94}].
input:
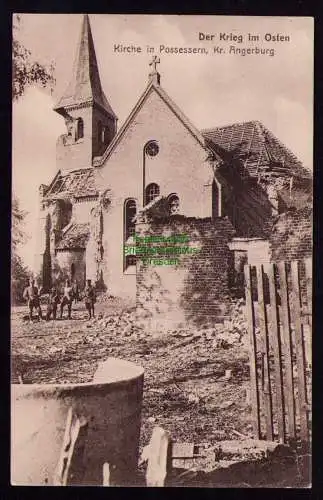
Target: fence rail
[{"x": 279, "y": 313}]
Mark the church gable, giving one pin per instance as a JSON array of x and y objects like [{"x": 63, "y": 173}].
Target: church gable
[
  {"x": 178, "y": 164},
  {"x": 145, "y": 96}
]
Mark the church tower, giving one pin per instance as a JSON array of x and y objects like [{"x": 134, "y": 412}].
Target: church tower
[{"x": 90, "y": 121}]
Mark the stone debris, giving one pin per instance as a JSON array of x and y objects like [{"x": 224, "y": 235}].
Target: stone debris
[
  {"x": 226, "y": 404},
  {"x": 151, "y": 420},
  {"x": 193, "y": 398},
  {"x": 124, "y": 324}
]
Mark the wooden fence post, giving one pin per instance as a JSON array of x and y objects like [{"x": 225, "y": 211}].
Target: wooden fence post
[
  {"x": 300, "y": 354},
  {"x": 159, "y": 461},
  {"x": 254, "y": 393},
  {"x": 287, "y": 349},
  {"x": 274, "y": 333},
  {"x": 263, "y": 323}
]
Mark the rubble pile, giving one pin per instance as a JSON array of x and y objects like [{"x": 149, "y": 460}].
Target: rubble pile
[
  {"x": 195, "y": 377},
  {"x": 221, "y": 335}
]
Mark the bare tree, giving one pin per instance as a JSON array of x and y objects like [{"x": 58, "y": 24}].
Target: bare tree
[{"x": 19, "y": 273}]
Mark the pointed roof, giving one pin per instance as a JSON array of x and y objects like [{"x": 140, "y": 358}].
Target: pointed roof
[{"x": 85, "y": 85}]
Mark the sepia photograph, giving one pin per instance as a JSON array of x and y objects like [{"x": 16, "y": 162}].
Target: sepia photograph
[{"x": 161, "y": 259}]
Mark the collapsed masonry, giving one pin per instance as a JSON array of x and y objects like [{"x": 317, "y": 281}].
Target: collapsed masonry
[{"x": 199, "y": 288}]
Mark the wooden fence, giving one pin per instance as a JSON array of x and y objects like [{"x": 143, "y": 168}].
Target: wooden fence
[{"x": 279, "y": 311}]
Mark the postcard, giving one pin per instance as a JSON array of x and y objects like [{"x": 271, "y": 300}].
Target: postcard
[{"x": 161, "y": 250}]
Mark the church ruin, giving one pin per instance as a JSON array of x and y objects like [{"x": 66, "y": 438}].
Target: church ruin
[{"x": 157, "y": 174}]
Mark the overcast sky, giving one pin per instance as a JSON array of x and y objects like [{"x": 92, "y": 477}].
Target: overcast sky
[{"x": 212, "y": 90}]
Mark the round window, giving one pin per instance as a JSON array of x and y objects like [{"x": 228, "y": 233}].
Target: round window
[{"x": 152, "y": 148}]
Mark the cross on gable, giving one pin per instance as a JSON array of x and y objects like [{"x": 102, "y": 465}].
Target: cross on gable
[{"x": 155, "y": 60}]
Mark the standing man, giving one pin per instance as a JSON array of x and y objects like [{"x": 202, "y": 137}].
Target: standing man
[
  {"x": 67, "y": 299},
  {"x": 53, "y": 301},
  {"x": 31, "y": 295},
  {"x": 76, "y": 291},
  {"x": 89, "y": 298}
]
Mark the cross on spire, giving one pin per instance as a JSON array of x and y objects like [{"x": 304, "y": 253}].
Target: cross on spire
[
  {"x": 155, "y": 60},
  {"x": 154, "y": 76}
]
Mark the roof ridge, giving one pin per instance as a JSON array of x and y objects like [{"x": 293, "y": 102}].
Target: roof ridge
[
  {"x": 163, "y": 95},
  {"x": 212, "y": 129},
  {"x": 99, "y": 160}
]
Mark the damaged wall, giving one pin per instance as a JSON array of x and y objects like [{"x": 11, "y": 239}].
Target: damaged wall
[
  {"x": 54, "y": 266},
  {"x": 82, "y": 209},
  {"x": 291, "y": 235},
  {"x": 95, "y": 261},
  {"x": 69, "y": 264},
  {"x": 249, "y": 208},
  {"x": 193, "y": 291}
]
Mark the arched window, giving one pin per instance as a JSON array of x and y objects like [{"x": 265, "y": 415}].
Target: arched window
[
  {"x": 130, "y": 213},
  {"x": 80, "y": 129},
  {"x": 152, "y": 191},
  {"x": 100, "y": 132},
  {"x": 173, "y": 202},
  {"x": 130, "y": 210}
]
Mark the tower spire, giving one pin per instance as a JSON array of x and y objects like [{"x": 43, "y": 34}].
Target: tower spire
[{"x": 85, "y": 84}]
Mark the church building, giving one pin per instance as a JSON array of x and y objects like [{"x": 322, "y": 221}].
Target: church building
[{"x": 158, "y": 174}]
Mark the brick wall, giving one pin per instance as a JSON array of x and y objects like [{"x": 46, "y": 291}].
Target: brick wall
[
  {"x": 291, "y": 235},
  {"x": 195, "y": 290}
]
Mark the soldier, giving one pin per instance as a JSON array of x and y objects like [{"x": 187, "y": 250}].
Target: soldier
[
  {"x": 53, "y": 301},
  {"x": 76, "y": 292},
  {"x": 31, "y": 294},
  {"x": 89, "y": 296},
  {"x": 67, "y": 299}
]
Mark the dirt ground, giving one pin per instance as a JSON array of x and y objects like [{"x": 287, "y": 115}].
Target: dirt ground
[{"x": 188, "y": 389}]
